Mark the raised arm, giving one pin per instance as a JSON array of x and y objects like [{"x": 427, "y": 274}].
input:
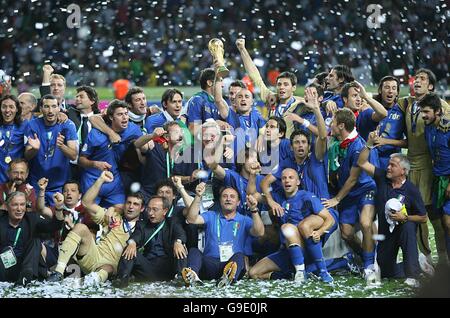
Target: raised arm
[
  {"x": 380, "y": 111},
  {"x": 314, "y": 105},
  {"x": 252, "y": 70},
  {"x": 265, "y": 186},
  {"x": 363, "y": 160},
  {"x": 258, "y": 225},
  {"x": 255, "y": 168},
  {"x": 89, "y": 197},
  {"x": 294, "y": 117},
  {"x": 144, "y": 139},
  {"x": 58, "y": 199},
  {"x": 187, "y": 199},
  {"x": 56, "y": 221},
  {"x": 221, "y": 104},
  {"x": 193, "y": 212},
  {"x": 42, "y": 209},
  {"x": 47, "y": 71}
]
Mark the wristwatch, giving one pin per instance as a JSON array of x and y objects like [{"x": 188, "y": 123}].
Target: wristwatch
[
  {"x": 131, "y": 241},
  {"x": 179, "y": 241},
  {"x": 255, "y": 210}
]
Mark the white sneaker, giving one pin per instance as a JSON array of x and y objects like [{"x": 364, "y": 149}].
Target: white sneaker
[
  {"x": 300, "y": 277},
  {"x": 371, "y": 277},
  {"x": 93, "y": 279},
  {"x": 425, "y": 265},
  {"x": 412, "y": 282}
]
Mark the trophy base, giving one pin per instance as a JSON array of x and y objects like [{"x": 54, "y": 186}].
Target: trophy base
[{"x": 222, "y": 71}]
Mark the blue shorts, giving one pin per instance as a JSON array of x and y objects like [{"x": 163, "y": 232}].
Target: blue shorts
[
  {"x": 350, "y": 208},
  {"x": 445, "y": 209},
  {"x": 282, "y": 259}
]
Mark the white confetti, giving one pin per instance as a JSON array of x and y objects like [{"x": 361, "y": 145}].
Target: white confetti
[{"x": 135, "y": 187}]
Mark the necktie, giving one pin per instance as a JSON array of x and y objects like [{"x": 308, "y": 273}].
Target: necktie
[{"x": 84, "y": 130}]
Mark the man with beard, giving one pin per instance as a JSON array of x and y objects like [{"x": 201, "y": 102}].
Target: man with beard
[
  {"x": 17, "y": 177},
  {"x": 50, "y": 147},
  {"x": 421, "y": 174},
  {"x": 437, "y": 134}
]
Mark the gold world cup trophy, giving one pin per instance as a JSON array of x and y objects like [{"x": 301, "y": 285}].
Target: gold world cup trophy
[{"x": 215, "y": 46}]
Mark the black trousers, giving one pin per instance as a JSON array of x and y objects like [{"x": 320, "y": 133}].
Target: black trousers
[
  {"x": 155, "y": 269},
  {"x": 404, "y": 237},
  {"x": 29, "y": 265}
]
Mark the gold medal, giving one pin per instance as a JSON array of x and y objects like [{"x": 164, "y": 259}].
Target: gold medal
[{"x": 8, "y": 159}]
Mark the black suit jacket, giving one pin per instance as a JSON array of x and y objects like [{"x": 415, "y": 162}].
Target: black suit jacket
[
  {"x": 32, "y": 225},
  {"x": 171, "y": 231}
]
